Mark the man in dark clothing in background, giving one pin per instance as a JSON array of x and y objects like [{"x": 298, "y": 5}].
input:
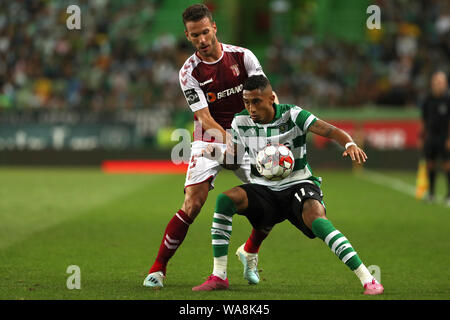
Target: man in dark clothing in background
[{"x": 434, "y": 137}]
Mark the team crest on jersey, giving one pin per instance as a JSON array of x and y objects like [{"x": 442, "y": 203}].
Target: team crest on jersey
[{"x": 235, "y": 69}]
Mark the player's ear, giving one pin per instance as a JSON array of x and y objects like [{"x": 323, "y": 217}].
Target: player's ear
[
  {"x": 272, "y": 98},
  {"x": 275, "y": 98},
  {"x": 186, "y": 34}
]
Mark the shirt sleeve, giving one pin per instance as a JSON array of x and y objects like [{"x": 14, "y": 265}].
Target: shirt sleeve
[
  {"x": 252, "y": 64},
  {"x": 302, "y": 118},
  {"x": 191, "y": 89}
]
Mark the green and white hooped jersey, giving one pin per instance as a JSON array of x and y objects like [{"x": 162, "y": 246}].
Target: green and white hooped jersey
[{"x": 289, "y": 127}]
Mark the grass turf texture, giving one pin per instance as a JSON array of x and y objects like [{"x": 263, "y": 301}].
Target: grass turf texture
[{"x": 111, "y": 227}]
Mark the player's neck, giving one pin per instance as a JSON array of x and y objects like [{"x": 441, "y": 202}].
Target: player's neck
[{"x": 215, "y": 55}]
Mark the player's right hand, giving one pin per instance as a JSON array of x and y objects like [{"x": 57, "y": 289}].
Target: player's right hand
[{"x": 211, "y": 152}]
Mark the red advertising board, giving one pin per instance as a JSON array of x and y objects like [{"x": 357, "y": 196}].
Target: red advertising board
[{"x": 379, "y": 134}]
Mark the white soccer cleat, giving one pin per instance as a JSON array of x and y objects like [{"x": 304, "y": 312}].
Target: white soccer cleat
[
  {"x": 250, "y": 262},
  {"x": 154, "y": 280}
]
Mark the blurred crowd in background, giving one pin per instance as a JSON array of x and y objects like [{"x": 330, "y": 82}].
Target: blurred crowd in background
[
  {"x": 392, "y": 68},
  {"x": 110, "y": 64}
]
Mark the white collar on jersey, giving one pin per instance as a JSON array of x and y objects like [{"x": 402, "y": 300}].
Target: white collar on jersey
[{"x": 213, "y": 61}]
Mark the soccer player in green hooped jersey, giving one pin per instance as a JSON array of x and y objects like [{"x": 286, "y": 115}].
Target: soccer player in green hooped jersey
[{"x": 297, "y": 198}]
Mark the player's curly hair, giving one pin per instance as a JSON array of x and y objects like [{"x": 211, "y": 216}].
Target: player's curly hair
[
  {"x": 256, "y": 82},
  {"x": 196, "y": 12}
]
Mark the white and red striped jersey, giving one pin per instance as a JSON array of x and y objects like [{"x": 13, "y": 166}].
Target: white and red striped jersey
[{"x": 218, "y": 85}]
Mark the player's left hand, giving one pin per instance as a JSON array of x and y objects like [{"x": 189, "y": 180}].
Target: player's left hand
[{"x": 355, "y": 153}]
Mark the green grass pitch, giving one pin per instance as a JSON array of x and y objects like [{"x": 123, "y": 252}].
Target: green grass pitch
[{"x": 111, "y": 227}]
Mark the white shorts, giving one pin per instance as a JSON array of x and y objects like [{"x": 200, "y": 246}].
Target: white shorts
[{"x": 202, "y": 169}]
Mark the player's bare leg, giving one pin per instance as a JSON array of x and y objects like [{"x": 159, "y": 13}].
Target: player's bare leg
[
  {"x": 315, "y": 219},
  {"x": 176, "y": 230},
  {"x": 194, "y": 199}
]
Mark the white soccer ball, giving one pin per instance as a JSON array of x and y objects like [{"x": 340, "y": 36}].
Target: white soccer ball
[{"x": 275, "y": 162}]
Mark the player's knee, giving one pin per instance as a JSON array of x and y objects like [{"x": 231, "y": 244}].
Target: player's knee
[
  {"x": 237, "y": 196},
  {"x": 312, "y": 210},
  {"x": 192, "y": 207}
]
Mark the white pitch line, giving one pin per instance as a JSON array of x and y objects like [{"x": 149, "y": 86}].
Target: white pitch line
[
  {"x": 387, "y": 181},
  {"x": 393, "y": 183}
]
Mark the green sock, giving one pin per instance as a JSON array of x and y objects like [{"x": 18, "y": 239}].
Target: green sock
[
  {"x": 339, "y": 244},
  {"x": 221, "y": 233}
]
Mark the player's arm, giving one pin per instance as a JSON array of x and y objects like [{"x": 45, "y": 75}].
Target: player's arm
[
  {"x": 198, "y": 104},
  {"x": 233, "y": 156},
  {"x": 209, "y": 124},
  {"x": 329, "y": 131}
]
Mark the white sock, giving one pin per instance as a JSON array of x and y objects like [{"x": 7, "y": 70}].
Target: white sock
[
  {"x": 220, "y": 267},
  {"x": 363, "y": 274}
]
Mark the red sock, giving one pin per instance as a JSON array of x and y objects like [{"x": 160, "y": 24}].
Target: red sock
[
  {"x": 176, "y": 230},
  {"x": 254, "y": 241}
]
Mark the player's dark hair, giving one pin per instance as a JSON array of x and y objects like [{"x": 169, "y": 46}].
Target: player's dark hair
[
  {"x": 196, "y": 12},
  {"x": 256, "y": 82}
]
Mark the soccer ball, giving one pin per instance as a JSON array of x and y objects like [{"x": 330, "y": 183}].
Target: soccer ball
[{"x": 275, "y": 162}]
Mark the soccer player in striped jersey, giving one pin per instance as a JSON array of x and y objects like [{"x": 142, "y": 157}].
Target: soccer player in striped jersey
[
  {"x": 297, "y": 198},
  {"x": 211, "y": 80}
]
